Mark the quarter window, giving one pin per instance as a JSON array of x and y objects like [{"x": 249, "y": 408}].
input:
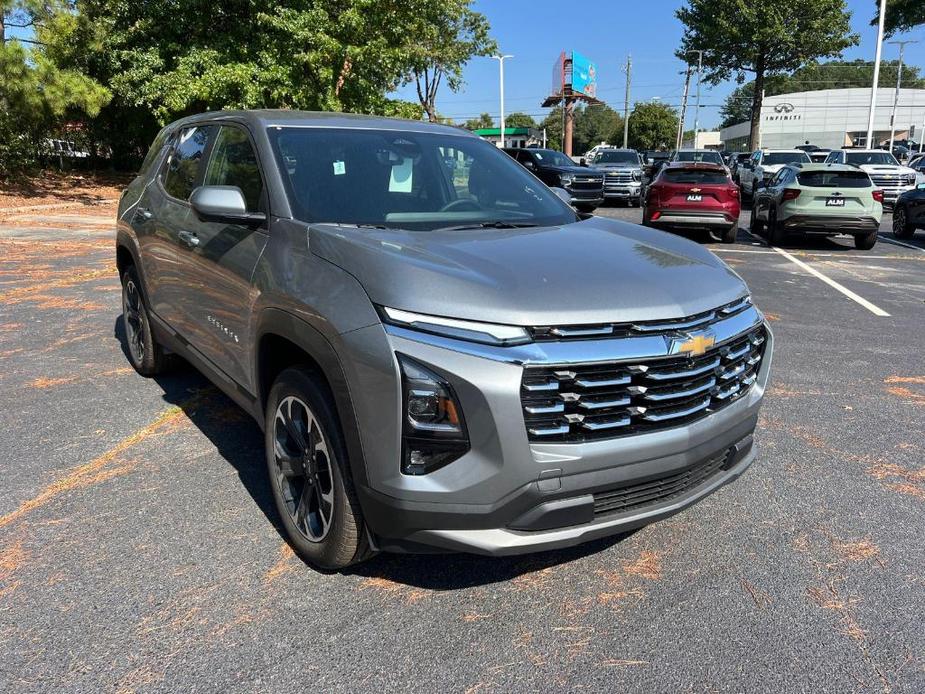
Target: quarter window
[
  {"x": 185, "y": 161},
  {"x": 233, "y": 163}
]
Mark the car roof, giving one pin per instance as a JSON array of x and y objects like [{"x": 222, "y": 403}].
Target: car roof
[
  {"x": 819, "y": 166},
  {"x": 699, "y": 151},
  {"x": 285, "y": 118},
  {"x": 783, "y": 151},
  {"x": 698, "y": 165}
]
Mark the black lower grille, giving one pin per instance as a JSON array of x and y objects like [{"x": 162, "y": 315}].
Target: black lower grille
[
  {"x": 659, "y": 490},
  {"x": 584, "y": 402}
]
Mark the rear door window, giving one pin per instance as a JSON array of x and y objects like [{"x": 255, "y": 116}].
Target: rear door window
[
  {"x": 834, "y": 179},
  {"x": 184, "y": 167}
]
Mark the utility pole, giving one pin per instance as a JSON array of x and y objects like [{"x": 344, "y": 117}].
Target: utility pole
[
  {"x": 687, "y": 86},
  {"x": 500, "y": 59},
  {"x": 873, "y": 89},
  {"x": 626, "y": 101},
  {"x": 899, "y": 78},
  {"x": 697, "y": 107}
]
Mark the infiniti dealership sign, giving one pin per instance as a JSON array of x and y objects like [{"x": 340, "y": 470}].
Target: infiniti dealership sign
[{"x": 783, "y": 111}]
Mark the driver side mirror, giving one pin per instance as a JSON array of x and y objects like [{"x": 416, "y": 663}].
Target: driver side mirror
[
  {"x": 223, "y": 204},
  {"x": 582, "y": 162}
]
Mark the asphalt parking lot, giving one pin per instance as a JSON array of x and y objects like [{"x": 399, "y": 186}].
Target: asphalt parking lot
[{"x": 139, "y": 550}]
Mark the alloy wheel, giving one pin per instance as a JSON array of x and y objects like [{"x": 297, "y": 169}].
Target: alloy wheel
[
  {"x": 132, "y": 308},
  {"x": 304, "y": 470},
  {"x": 899, "y": 222}
]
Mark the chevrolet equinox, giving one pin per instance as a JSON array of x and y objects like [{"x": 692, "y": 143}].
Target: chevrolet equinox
[{"x": 443, "y": 355}]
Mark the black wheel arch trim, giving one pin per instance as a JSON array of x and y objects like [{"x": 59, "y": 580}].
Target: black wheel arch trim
[{"x": 281, "y": 323}]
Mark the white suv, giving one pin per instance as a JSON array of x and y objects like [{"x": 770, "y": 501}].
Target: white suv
[
  {"x": 764, "y": 164},
  {"x": 882, "y": 167}
]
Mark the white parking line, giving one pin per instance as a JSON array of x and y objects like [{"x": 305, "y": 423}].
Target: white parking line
[
  {"x": 876, "y": 310},
  {"x": 900, "y": 243},
  {"x": 813, "y": 254}
]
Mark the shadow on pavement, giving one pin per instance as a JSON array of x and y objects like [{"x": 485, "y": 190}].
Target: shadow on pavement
[{"x": 238, "y": 439}]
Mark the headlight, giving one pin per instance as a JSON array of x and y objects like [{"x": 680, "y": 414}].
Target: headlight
[
  {"x": 565, "y": 180},
  {"x": 472, "y": 331},
  {"x": 910, "y": 179},
  {"x": 433, "y": 429},
  {"x": 637, "y": 175}
]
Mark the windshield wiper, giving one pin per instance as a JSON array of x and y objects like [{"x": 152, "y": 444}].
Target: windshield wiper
[{"x": 489, "y": 225}]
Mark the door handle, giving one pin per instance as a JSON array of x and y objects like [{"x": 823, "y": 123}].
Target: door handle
[
  {"x": 189, "y": 238},
  {"x": 143, "y": 214}
]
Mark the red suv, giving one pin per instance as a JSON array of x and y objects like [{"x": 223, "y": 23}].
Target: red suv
[{"x": 694, "y": 195}]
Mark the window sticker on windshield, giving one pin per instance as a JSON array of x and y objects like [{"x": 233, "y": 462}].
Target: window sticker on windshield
[
  {"x": 537, "y": 155},
  {"x": 339, "y": 168},
  {"x": 400, "y": 178}
]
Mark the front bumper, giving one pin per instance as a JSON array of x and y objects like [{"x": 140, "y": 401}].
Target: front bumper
[
  {"x": 622, "y": 191},
  {"x": 823, "y": 224},
  {"x": 509, "y": 495}
]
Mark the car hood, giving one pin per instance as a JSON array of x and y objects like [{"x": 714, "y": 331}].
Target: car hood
[
  {"x": 616, "y": 167},
  {"x": 593, "y": 271},
  {"x": 571, "y": 170},
  {"x": 886, "y": 168}
]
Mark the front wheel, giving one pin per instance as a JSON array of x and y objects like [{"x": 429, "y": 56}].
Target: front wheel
[
  {"x": 309, "y": 475},
  {"x": 756, "y": 226},
  {"x": 864, "y": 242},
  {"x": 901, "y": 227}
]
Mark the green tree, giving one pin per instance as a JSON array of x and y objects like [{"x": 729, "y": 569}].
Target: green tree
[
  {"x": 443, "y": 36},
  {"x": 815, "y": 76},
  {"x": 901, "y": 15},
  {"x": 519, "y": 120},
  {"x": 37, "y": 95},
  {"x": 764, "y": 38},
  {"x": 652, "y": 125},
  {"x": 483, "y": 121}
]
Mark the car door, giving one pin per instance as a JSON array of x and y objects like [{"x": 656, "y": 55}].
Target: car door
[
  {"x": 217, "y": 260},
  {"x": 162, "y": 214}
]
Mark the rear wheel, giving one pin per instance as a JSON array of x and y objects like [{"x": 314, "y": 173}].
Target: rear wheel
[
  {"x": 729, "y": 235},
  {"x": 775, "y": 232},
  {"x": 901, "y": 227},
  {"x": 309, "y": 474},
  {"x": 864, "y": 242},
  {"x": 144, "y": 353}
]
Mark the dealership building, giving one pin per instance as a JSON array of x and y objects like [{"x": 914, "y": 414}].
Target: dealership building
[{"x": 831, "y": 118}]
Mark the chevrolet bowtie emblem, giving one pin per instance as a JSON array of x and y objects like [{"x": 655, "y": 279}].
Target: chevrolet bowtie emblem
[{"x": 694, "y": 345}]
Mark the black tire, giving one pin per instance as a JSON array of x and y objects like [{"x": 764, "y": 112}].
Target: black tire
[
  {"x": 729, "y": 235},
  {"x": 901, "y": 227},
  {"x": 584, "y": 207},
  {"x": 864, "y": 242},
  {"x": 314, "y": 493},
  {"x": 144, "y": 353},
  {"x": 634, "y": 202},
  {"x": 776, "y": 234},
  {"x": 755, "y": 225}
]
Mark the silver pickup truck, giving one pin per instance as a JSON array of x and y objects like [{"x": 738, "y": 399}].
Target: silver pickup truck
[{"x": 622, "y": 169}]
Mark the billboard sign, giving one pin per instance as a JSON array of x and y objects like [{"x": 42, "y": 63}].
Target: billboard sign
[{"x": 584, "y": 75}]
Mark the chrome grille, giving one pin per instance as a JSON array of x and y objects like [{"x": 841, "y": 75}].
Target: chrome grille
[
  {"x": 882, "y": 180},
  {"x": 618, "y": 177},
  {"x": 573, "y": 332},
  {"x": 583, "y": 402},
  {"x": 658, "y": 490}
]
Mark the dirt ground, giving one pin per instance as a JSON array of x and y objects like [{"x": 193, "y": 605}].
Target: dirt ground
[{"x": 78, "y": 189}]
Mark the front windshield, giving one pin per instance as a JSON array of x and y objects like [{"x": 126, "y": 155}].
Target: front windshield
[
  {"x": 609, "y": 157},
  {"x": 409, "y": 180},
  {"x": 551, "y": 156},
  {"x": 772, "y": 158},
  {"x": 862, "y": 158},
  {"x": 711, "y": 157}
]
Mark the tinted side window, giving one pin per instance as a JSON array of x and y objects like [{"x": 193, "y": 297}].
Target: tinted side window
[
  {"x": 186, "y": 160},
  {"x": 233, "y": 163},
  {"x": 156, "y": 147}
]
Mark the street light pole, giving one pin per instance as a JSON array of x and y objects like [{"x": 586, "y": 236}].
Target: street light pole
[
  {"x": 899, "y": 79},
  {"x": 500, "y": 59},
  {"x": 697, "y": 106},
  {"x": 873, "y": 89},
  {"x": 626, "y": 103}
]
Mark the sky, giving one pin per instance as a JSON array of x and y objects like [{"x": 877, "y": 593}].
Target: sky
[{"x": 536, "y": 31}]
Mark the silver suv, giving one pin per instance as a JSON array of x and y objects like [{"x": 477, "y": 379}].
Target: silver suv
[{"x": 441, "y": 352}]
